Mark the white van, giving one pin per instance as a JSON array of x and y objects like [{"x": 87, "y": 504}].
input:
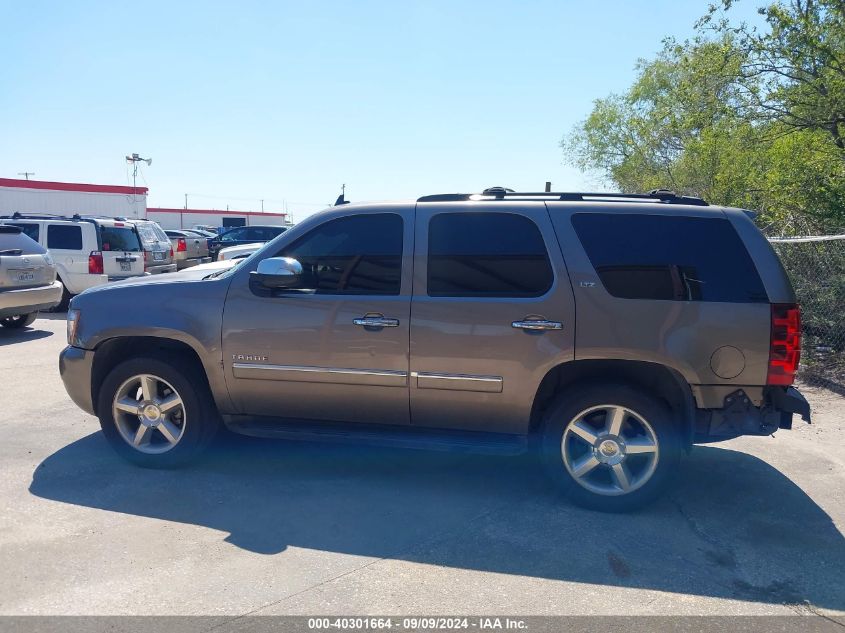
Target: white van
[{"x": 88, "y": 251}]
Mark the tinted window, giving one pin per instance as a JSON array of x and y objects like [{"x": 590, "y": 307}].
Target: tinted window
[
  {"x": 669, "y": 258},
  {"x": 359, "y": 254},
  {"x": 31, "y": 230},
  {"x": 233, "y": 235},
  {"x": 64, "y": 236},
  {"x": 488, "y": 255},
  {"x": 120, "y": 238}
]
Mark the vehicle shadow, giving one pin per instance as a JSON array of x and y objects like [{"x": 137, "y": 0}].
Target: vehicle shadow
[
  {"x": 8, "y": 336},
  {"x": 732, "y": 526}
]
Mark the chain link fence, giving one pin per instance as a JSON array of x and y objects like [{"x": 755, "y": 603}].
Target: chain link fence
[{"x": 816, "y": 266}]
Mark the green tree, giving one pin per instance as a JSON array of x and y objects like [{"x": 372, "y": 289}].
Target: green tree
[
  {"x": 740, "y": 116},
  {"x": 794, "y": 71},
  {"x": 676, "y": 127}
]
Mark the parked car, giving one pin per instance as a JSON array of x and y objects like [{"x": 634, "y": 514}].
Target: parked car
[
  {"x": 87, "y": 251},
  {"x": 27, "y": 279},
  {"x": 238, "y": 252},
  {"x": 158, "y": 252},
  {"x": 244, "y": 235},
  {"x": 189, "y": 249},
  {"x": 206, "y": 228},
  {"x": 207, "y": 235},
  {"x": 605, "y": 333}
]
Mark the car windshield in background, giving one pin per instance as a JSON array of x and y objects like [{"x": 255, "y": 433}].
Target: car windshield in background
[{"x": 119, "y": 238}]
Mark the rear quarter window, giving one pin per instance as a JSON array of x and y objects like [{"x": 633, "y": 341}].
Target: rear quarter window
[
  {"x": 30, "y": 229},
  {"x": 64, "y": 237},
  {"x": 675, "y": 258}
]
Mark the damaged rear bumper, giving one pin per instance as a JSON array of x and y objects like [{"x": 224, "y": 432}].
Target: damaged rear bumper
[{"x": 738, "y": 415}]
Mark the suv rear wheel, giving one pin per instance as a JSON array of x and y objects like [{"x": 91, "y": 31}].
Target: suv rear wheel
[
  {"x": 610, "y": 447},
  {"x": 157, "y": 413},
  {"x": 19, "y": 321}
]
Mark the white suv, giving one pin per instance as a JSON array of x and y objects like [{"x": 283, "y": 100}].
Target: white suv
[{"x": 87, "y": 251}]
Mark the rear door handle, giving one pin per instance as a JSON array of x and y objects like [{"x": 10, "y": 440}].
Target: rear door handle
[
  {"x": 376, "y": 321},
  {"x": 537, "y": 324}
]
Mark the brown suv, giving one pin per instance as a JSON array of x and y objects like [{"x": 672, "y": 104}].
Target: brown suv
[{"x": 606, "y": 332}]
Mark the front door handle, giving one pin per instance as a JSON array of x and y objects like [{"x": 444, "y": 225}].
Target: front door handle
[
  {"x": 376, "y": 321},
  {"x": 537, "y": 324}
]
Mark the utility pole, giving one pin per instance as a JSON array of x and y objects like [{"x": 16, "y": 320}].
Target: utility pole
[
  {"x": 262, "y": 206},
  {"x": 548, "y": 186},
  {"x": 186, "y": 201},
  {"x": 135, "y": 159},
  {"x": 26, "y": 174}
]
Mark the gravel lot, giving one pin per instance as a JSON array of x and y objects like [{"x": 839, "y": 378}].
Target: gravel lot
[{"x": 753, "y": 526}]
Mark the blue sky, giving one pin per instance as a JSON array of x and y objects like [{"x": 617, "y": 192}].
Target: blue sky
[{"x": 286, "y": 101}]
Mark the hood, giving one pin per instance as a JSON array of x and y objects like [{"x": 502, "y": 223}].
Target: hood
[{"x": 166, "y": 279}]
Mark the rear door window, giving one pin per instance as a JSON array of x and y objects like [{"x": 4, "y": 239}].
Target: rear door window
[
  {"x": 120, "y": 238},
  {"x": 64, "y": 237},
  {"x": 673, "y": 258},
  {"x": 486, "y": 255}
]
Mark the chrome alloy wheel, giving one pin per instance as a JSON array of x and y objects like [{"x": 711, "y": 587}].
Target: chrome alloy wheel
[
  {"x": 610, "y": 450},
  {"x": 149, "y": 414}
]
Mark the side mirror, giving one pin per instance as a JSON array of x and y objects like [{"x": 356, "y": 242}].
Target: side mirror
[{"x": 278, "y": 272}]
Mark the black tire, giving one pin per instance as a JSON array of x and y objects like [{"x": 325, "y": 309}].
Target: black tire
[
  {"x": 19, "y": 321},
  {"x": 569, "y": 406},
  {"x": 66, "y": 297},
  {"x": 201, "y": 419}
]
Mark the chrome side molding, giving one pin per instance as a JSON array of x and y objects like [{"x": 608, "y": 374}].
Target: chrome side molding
[
  {"x": 457, "y": 382},
  {"x": 334, "y": 375}
]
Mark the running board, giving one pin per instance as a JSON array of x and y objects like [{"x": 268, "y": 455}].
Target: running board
[{"x": 378, "y": 435}]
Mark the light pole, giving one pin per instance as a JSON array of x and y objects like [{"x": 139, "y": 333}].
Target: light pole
[{"x": 135, "y": 159}]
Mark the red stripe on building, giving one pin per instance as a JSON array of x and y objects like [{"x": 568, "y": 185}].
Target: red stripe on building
[
  {"x": 214, "y": 212},
  {"x": 71, "y": 186}
]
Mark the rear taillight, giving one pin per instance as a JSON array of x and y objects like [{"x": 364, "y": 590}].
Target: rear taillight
[
  {"x": 95, "y": 263},
  {"x": 785, "y": 345},
  {"x": 181, "y": 246},
  {"x": 171, "y": 251},
  {"x": 146, "y": 259}
]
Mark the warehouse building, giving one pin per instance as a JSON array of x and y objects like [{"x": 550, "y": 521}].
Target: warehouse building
[
  {"x": 188, "y": 218},
  {"x": 68, "y": 198}
]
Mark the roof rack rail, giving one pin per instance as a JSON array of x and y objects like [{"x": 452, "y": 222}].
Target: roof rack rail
[
  {"x": 17, "y": 215},
  {"x": 502, "y": 193}
]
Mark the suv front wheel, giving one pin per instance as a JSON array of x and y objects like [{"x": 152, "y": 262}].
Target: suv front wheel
[
  {"x": 610, "y": 447},
  {"x": 157, "y": 413}
]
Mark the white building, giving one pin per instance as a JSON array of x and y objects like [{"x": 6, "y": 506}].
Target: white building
[
  {"x": 67, "y": 198},
  {"x": 188, "y": 218}
]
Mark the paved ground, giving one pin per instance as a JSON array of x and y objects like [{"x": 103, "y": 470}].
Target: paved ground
[{"x": 753, "y": 526}]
